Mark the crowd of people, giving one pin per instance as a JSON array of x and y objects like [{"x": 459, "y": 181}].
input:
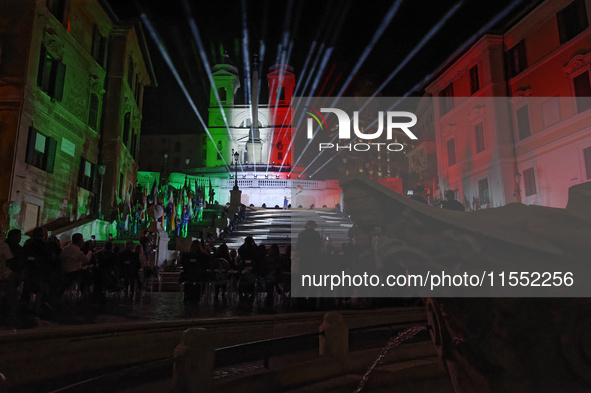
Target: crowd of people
[
  {"x": 44, "y": 273},
  {"x": 38, "y": 275},
  {"x": 247, "y": 271}
]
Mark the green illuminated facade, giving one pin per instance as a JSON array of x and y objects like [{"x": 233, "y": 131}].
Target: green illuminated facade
[{"x": 71, "y": 86}]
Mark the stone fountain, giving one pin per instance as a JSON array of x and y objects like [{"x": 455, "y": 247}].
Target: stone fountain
[{"x": 492, "y": 338}]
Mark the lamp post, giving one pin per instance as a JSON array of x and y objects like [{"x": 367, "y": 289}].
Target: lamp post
[
  {"x": 517, "y": 186},
  {"x": 101, "y": 170},
  {"x": 163, "y": 174},
  {"x": 236, "y": 155}
]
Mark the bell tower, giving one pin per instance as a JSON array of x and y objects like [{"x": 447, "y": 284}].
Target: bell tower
[
  {"x": 226, "y": 82},
  {"x": 281, "y": 86}
]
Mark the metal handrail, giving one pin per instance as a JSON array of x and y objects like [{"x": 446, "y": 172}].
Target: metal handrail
[
  {"x": 236, "y": 354},
  {"x": 264, "y": 349}
]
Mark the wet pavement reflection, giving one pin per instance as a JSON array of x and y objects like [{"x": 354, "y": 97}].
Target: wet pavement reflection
[{"x": 149, "y": 307}]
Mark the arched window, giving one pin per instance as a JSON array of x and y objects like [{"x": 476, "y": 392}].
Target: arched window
[
  {"x": 222, "y": 94},
  {"x": 248, "y": 122}
]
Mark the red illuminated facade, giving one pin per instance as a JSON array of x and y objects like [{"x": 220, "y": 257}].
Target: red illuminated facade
[
  {"x": 534, "y": 144},
  {"x": 281, "y": 86}
]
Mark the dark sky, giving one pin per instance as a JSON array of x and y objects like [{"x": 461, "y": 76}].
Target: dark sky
[{"x": 345, "y": 26}]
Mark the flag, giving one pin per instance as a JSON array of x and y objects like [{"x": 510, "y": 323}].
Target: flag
[
  {"x": 154, "y": 193},
  {"x": 190, "y": 208},
  {"x": 145, "y": 207},
  {"x": 173, "y": 214},
  {"x": 128, "y": 198}
]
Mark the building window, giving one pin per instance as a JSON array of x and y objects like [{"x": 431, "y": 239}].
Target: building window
[
  {"x": 451, "y": 152},
  {"x": 280, "y": 94},
  {"x": 126, "y": 125},
  {"x": 479, "y": 137},
  {"x": 572, "y": 20},
  {"x": 222, "y": 94},
  {"x": 93, "y": 111},
  {"x": 57, "y": 9},
  {"x": 516, "y": 59},
  {"x": 280, "y": 155},
  {"x": 583, "y": 90},
  {"x": 134, "y": 145},
  {"x": 41, "y": 150},
  {"x": 177, "y": 147},
  {"x": 529, "y": 181},
  {"x": 551, "y": 111},
  {"x": 483, "y": 193},
  {"x": 447, "y": 99},
  {"x": 474, "y": 81},
  {"x": 220, "y": 149},
  {"x": 121, "y": 186},
  {"x": 130, "y": 73},
  {"x": 86, "y": 174},
  {"x": 99, "y": 46},
  {"x": 523, "y": 122},
  {"x": 138, "y": 91},
  {"x": 52, "y": 73},
  {"x": 176, "y": 162},
  {"x": 587, "y": 158}
]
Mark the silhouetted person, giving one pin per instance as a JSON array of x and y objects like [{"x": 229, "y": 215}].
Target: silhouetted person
[
  {"x": 16, "y": 264},
  {"x": 419, "y": 194},
  {"x": 7, "y": 287},
  {"x": 106, "y": 276},
  {"x": 308, "y": 248},
  {"x": 39, "y": 267},
  {"x": 247, "y": 251},
  {"x": 451, "y": 203},
  {"x": 130, "y": 266},
  {"x": 73, "y": 259},
  {"x": 195, "y": 264}
]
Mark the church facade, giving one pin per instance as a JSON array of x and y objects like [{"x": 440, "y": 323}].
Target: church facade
[
  {"x": 248, "y": 145},
  {"x": 260, "y": 134}
]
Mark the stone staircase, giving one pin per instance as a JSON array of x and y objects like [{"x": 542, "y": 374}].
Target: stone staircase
[{"x": 275, "y": 226}]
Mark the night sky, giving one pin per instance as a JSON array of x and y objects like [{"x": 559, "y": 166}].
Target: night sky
[{"x": 345, "y": 26}]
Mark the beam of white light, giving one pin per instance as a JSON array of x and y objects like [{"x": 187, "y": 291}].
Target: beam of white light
[
  {"x": 168, "y": 61},
  {"x": 368, "y": 48},
  {"x": 337, "y": 30},
  {"x": 434, "y": 30},
  {"x": 201, "y": 47},
  {"x": 305, "y": 68},
  {"x": 470, "y": 41},
  {"x": 248, "y": 87}
]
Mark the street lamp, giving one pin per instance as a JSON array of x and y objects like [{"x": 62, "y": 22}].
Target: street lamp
[
  {"x": 517, "y": 186},
  {"x": 187, "y": 161},
  {"x": 101, "y": 170},
  {"x": 236, "y": 155}
]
